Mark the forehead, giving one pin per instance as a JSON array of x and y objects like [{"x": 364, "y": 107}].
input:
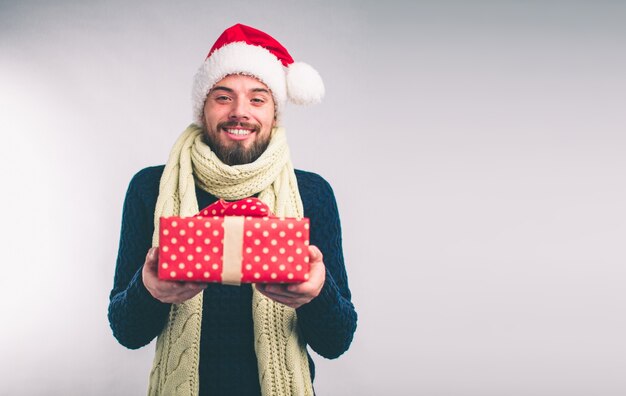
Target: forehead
[{"x": 240, "y": 82}]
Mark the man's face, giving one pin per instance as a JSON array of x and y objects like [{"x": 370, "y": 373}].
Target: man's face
[{"x": 238, "y": 119}]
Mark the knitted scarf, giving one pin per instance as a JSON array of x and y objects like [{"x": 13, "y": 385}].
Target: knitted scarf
[{"x": 281, "y": 354}]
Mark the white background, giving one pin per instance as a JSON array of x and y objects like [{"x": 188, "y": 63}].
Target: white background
[{"x": 476, "y": 149}]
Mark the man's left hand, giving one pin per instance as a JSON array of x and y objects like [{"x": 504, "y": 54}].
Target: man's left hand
[{"x": 298, "y": 294}]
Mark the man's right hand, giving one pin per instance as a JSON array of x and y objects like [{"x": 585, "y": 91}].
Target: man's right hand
[{"x": 174, "y": 292}]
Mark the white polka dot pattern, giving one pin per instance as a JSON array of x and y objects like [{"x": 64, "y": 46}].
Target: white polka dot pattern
[
  {"x": 201, "y": 258},
  {"x": 275, "y": 250}
]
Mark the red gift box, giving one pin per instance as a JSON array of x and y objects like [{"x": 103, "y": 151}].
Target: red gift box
[{"x": 232, "y": 243}]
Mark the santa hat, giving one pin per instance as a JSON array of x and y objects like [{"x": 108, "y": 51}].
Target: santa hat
[{"x": 245, "y": 50}]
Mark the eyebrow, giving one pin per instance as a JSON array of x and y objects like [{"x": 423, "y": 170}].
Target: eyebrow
[{"x": 223, "y": 88}]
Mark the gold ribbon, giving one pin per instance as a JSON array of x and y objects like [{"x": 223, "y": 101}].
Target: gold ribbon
[{"x": 233, "y": 250}]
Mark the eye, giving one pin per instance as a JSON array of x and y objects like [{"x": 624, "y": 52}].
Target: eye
[
  {"x": 222, "y": 98},
  {"x": 257, "y": 100}
]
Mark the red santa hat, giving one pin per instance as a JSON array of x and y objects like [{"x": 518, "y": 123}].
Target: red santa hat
[{"x": 245, "y": 50}]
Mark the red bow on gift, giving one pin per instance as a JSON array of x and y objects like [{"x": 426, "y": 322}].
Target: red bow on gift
[{"x": 245, "y": 207}]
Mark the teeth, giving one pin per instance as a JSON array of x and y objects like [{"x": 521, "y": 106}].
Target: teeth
[{"x": 238, "y": 131}]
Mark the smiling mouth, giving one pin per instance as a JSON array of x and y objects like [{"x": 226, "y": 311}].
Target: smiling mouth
[{"x": 238, "y": 132}]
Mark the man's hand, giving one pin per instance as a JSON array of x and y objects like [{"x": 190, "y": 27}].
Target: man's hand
[
  {"x": 165, "y": 291},
  {"x": 296, "y": 295}
]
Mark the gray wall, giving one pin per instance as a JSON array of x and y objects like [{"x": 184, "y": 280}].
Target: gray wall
[{"x": 476, "y": 150}]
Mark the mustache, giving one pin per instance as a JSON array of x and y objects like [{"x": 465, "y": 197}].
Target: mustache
[{"x": 237, "y": 124}]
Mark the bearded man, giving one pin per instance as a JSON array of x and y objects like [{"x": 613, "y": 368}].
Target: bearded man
[{"x": 217, "y": 339}]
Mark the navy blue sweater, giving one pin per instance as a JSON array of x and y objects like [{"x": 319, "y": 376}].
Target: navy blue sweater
[{"x": 228, "y": 363}]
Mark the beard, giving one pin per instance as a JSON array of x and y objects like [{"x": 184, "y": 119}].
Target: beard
[{"x": 236, "y": 153}]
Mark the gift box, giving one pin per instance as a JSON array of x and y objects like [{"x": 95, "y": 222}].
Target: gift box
[{"x": 233, "y": 243}]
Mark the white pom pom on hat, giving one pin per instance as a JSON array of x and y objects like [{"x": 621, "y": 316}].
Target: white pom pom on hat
[
  {"x": 304, "y": 84},
  {"x": 244, "y": 50}
]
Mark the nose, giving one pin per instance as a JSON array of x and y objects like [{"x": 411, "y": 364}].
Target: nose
[{"x": 239, "y": 111}]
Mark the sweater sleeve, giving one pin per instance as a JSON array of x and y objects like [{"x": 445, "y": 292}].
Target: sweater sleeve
[
  {"x": 136, "y": 317},
  {"x": 329, "y": 321}
]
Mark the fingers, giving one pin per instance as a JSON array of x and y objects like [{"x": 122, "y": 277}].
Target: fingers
[
  {"x": 278, "y": 290},
  {"x": 296, "y": 295},
  {"x": 152, "y": 258},
  {"x": 163, "y": 290},
  {"x": 317, "y": 275},
  {"x": 149, "y": 271},
  {"x": 280, "y": 294},
  {"x": 176, "y": 292},
  {"x": 315, "y": 255},
  {"x": 185, "y": 292}
]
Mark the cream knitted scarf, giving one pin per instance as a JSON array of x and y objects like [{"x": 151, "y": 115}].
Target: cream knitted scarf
[{"x": 281, "y": 354}]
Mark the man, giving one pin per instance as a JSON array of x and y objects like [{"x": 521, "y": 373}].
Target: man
[{"x": 234, "y": 340}]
